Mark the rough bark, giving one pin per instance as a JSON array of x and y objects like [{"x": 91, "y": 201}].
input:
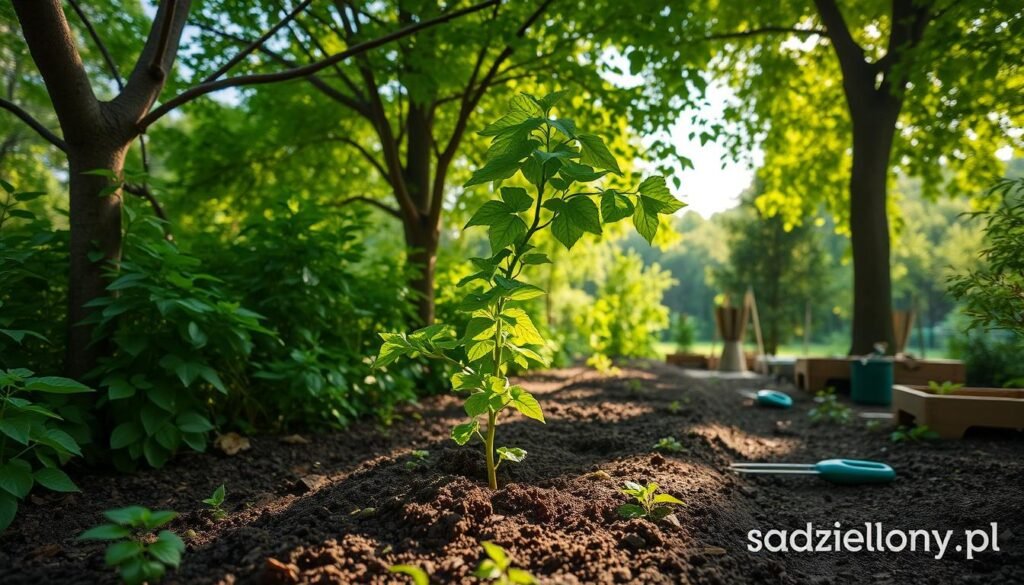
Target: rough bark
[
  {"x": 422, "y": 240},
  {"x": 873, "y": 130}
]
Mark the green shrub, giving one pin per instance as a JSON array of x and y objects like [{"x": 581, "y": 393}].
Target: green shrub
[
  {"x": 33, "y": 284},
  {"x": 308, "y": 274},
  {"x": 991, "y": 359},
  {"x": 180, "y": 347},
  {"x": 559, "y": 165},
  {"x": 627, "y": 316},
  {"x": 33, "y": 440},
  {"x": 684, "y": 332}
]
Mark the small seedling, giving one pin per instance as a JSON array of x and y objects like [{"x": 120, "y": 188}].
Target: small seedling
[
  {"x": 650, "y": 503},
  {"x": 497, "y": 568},
  {"x": 138, "y": 556},
  {"x": 913, "y": 434},
  {"x": 418, "y": 459},
  {"x": 215, "y": 501},
  {"x": 635, "y": 386},
  {"x": 829, "y": 409},
  {"x": 668, "y": 445},
  {"x": 873, "y": 425},
  {"x": 944, "y": 388},
  {"x": 675, "y": 407},
  {"x": 416, "y": 574}
]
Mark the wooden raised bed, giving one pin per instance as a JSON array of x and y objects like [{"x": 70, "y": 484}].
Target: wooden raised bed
[
  {"x": 813, "y": 374},
  {"x": 950, "y": 415}
]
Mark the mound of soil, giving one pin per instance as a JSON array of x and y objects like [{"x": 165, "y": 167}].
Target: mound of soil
[{"x": 344, "y": 507}]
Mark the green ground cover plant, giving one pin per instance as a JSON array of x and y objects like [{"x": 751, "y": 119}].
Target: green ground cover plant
[
  {"x": 137, "y": 550},
  {"x": 560, "y": 167},
  {"x": 649, "y": 502}
]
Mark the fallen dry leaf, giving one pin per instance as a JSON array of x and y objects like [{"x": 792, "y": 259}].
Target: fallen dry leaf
[
  {"x": 295, "y": 440},
  {"x": 231, "y": 443},
  {"x": 599, "y": 474}
]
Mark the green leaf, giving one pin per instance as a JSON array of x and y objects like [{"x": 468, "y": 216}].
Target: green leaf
[
  {"x": 28, "y": 195},
  {"x": 153, "y": 417},
  {"x": 496, "y": 554},
  {"x": 119, "y": 388},
  {"x": 480, "y": 350},
  {"x": 22, "y": 213},
  {"x": 119, "y": 552},
  {"x": 521, "y": 577},
  {"x": 128, "y": 516},
  {"x": 593, "y": 152},
  {"x": 525, "y": 403},
  {"x": 574, "y": 217},
  {"x": 16, "y": 428},
  {"x": 418, "y": 575},
  {"x": 535, "y": 258},
  {"x": 517, "y": 198},
  {"x": 167, "y": 548},
  {"x": 631, "y": 511},
  {"x": 504, "y": 165},
  {"x": 655, "y": 189},
  {"x": 667, "y": 499},
  {"x": 6, "y": 186},
  {"x": 192, "y": 422},
  {"x": 477, "y": 404},
  {"x": 156, "y": 455},
  {"x": 490, "y": 213},
  {"x": 522, "y": 328},
  {"x": 105, "y": 532},
  {"x": 461, "y": 434},
  {"x": 8, "y": 510},
  {"x": 125, "y": 434},
  {"x": 513, "y": 454},
  {"x": 645, "y": 221},
  {"x": 615, "y": 206},
  {"x": 16, "y": 480},
  {"x": 218, "y": 496},
  {"x": 56, "y": 480},
  {"x": 56, "y": 385},
  {"x": 506, "y": 232},
  {"x": 61, "y": 441}
]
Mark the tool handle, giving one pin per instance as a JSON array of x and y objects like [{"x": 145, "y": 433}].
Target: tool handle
[
  {"x": 774, "y": 399},
  {"x": 854, "y": 471}
]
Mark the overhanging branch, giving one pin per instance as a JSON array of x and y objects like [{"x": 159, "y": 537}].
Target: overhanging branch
[
  {"x": 369, "y": 201},
  {"x": 34, "y": 124},
  {"x": 298, "y": 72}
]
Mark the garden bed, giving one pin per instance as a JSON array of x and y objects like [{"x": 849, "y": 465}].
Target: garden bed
[{"x": 344, "y": 507}]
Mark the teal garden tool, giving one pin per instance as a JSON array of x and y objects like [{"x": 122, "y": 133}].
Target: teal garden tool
[
  {"x": 841, "y": 471},
  {"x": 769, "y": 398}
]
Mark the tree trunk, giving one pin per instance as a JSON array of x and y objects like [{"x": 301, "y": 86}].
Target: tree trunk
[
  {"x": 874, "y": 124},
  {"x": 422, "y": 242},
  {"x": 95, "y": 226}
]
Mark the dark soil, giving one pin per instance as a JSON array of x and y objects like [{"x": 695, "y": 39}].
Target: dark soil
[{"x": 344, "y": 507}]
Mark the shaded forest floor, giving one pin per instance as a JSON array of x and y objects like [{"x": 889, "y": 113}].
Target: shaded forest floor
[{"x": 344, "y": 507}]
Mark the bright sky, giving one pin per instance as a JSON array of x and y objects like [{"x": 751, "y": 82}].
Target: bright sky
[{"x": 716, "y": 180}]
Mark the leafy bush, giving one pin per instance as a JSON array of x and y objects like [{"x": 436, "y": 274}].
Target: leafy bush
[
  {"x": 308, "y": 275},
  {"x": 557, "y": 163},
  {"x": 33, "y": 444},
  {"x": 139, "y": 555},
  {"x": 33, "y": 284},
  {"x": 684, "y": 332},
  {"x": 991, "y": 295},
  {"x": 627, "y": 316},
  {"x": 180, "y": 348},
  {"x": 991, "y": 360}
]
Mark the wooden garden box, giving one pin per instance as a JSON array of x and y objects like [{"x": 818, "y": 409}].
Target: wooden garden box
[
  {"x": 813, "y": 374},
  {"x": 950, "y": 415},
  {"x": 694, "y": 361}
]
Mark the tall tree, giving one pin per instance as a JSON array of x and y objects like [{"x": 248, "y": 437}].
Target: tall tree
[
  {"x": 418, "y": 100},
  {"x": 96, "y": 134},
  {"x": 844, "y": 95}
]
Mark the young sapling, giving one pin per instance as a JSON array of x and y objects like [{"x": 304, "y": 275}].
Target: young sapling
[
  {"x": 417, "y": 459},
  {"x": 497, "y": 568},
  {"x": 829, "y": 409},
  {"x": 139, "y": 555},
  {"x": 649, "y": 503},
  {"x": 215, "y": 502},
  {"x": 548, "y": 176},
  {"x": 668, "y": 445},
  {"x": 905, "y": 434}
]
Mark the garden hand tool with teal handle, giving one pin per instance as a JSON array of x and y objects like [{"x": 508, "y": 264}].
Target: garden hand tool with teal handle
[
  {"x": 769, "y": 398},
  {"x": 841, "y": 471}
]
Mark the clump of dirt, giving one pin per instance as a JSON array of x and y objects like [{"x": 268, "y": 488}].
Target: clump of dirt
[{"x": 344, "y": 507}]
